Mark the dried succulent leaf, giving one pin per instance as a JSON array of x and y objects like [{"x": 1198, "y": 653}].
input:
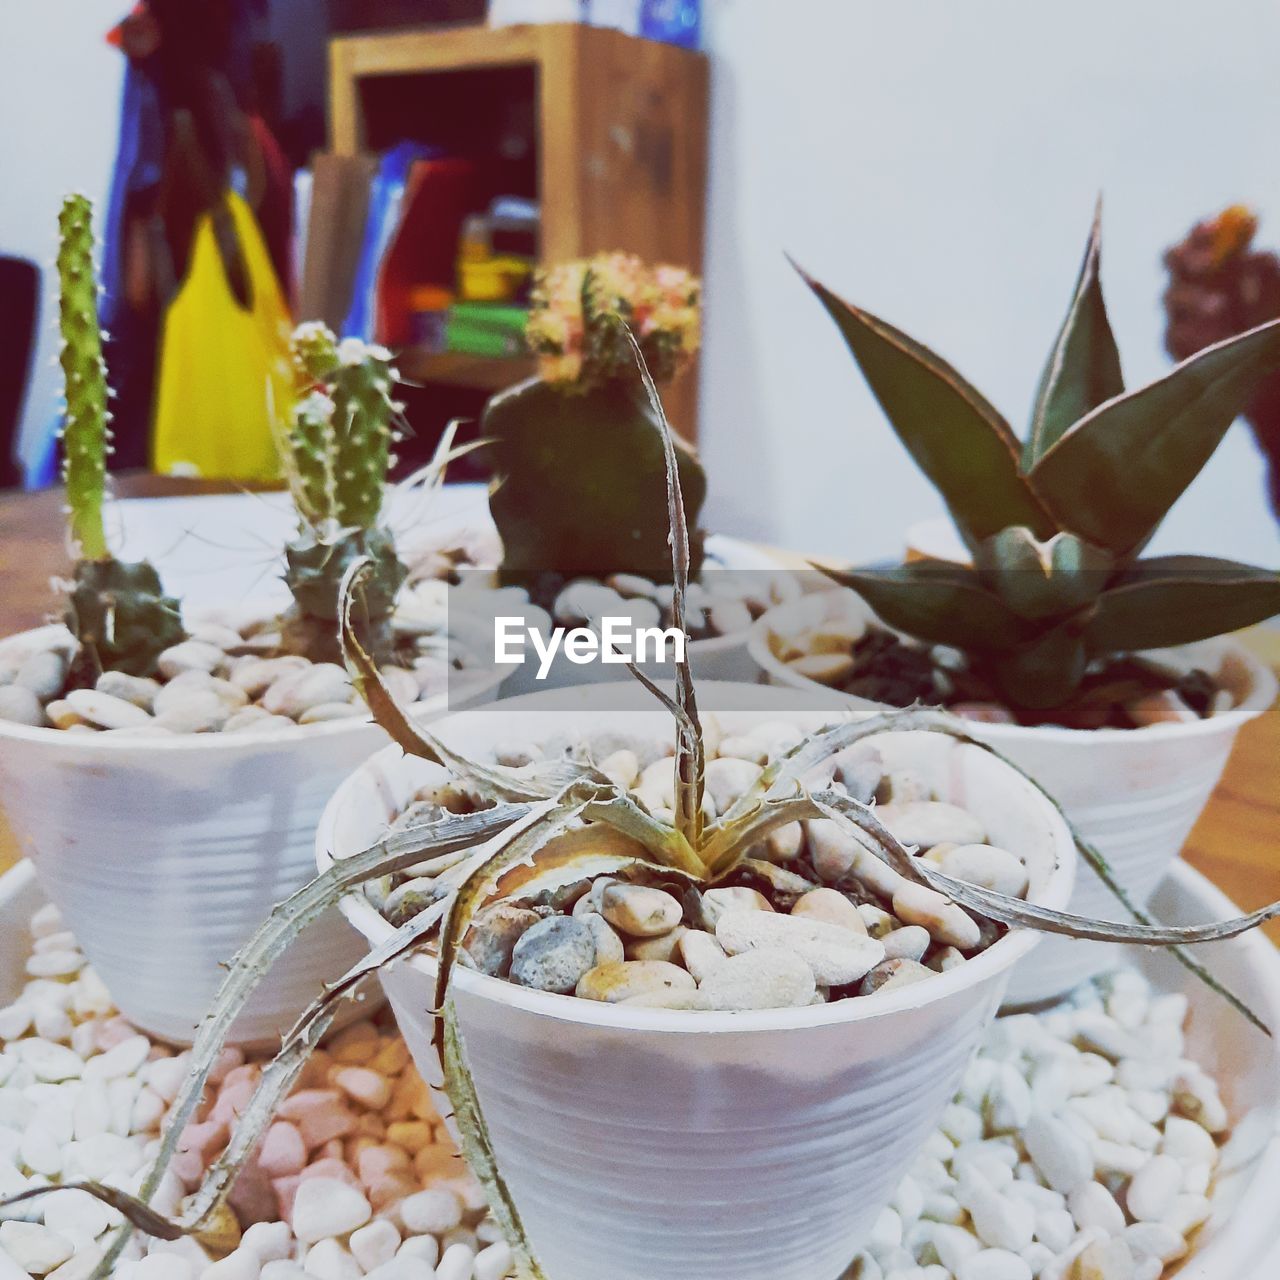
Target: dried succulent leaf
[
  {"x": 477, "y": 1147},
  {"x": 140, "y": 1215},
  {"x": 690, "y": 760},
  {"x": 1083, "y": 370},
  {"x": 1114, "y": 475},
  {"x": 961, "y": 443}
]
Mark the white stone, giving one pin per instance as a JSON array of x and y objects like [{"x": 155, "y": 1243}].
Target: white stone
[
  {"x": 271, "y": 1241},
  {"x": 240, "y": 1264},
  {"x": 189, "y": 655},
  {"x": 924, "y": 823},
  {"x": 763, "y": 978},
  {"x": 494, "y": 1262},
  {"x": 71, "y": 1211},
  {"x": 326, "y": 1207},
  {"x": 1092, "y": 1205},
  {"x": 988, "y": 867},
  {"x": 920, "y": 905},
  {"x": 1152, "y": 1189},
  {"x": 430, "y": 1212},
  {"x": 1060, "y": 1155},
  {"x": 456, "y": 1263},
  {"x": 994, "y": 1264},
  {"x": 122, "y": 1059},
  {"x": 34, "y": 1247},
  {"x": 328, "y": 1260},
  {"x": 375, "y": 1243},
  {"x": 402, "y": 1267},
  {"x": 835, "y": 955},
  {"x": 106, "y": 710}
]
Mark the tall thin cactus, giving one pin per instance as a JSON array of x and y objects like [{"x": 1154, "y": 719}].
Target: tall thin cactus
[
  {"x": 118, "y": 612},
  {"x": 85, "y": 434}
]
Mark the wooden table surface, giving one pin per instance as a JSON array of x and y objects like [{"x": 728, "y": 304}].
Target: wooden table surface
[{"x": 1236, "y": 843}]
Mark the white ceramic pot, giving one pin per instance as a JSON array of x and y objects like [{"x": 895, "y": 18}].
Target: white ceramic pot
[
  {"x": 1134, "y": 794},
  {"x": 164, "y": 854},
  {"x": 715, "y": 658},
  {"x": 726, "y": 1146}
]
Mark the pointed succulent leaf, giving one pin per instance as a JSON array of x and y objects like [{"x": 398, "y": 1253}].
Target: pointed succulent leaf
[
  {"x": 1113, "y": 476},
  {"x": 1171, "y": 600},
  {"x": 962, "y": 444},
  {"x": 938, "y": 602},
  {"x": 1083, "y": 369},
  {"x": 1042, "y": 579}
]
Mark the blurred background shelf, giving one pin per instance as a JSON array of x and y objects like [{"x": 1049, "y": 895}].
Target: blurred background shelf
[
  {"x": 606, "y": 132},
  {"x": 459, "y": 369}
]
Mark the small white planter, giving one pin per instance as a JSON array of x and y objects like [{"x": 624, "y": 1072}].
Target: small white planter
[
  {"x": 726, "y": 1146},
  {"x": 715, "y": 658},
  {"x": 165, "y": 854},
  {"x": 1134, "y": 794}
]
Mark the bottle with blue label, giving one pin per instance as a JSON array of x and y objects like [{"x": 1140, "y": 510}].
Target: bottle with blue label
[{"x": 673, "y": 21}]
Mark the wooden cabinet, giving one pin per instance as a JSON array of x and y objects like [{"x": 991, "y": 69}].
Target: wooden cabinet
[{"x": 618, "y": 130}]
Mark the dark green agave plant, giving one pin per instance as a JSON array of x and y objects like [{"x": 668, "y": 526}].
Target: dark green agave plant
[
  {"x": 118, "y": 612},
  {"x": 547, "y": 825},
  {"x": 1056, "y": 524}
]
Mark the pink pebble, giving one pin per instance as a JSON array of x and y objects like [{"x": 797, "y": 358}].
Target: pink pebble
[
  {"x": 250, "y": 1071},
  {"x": 286, "y": 1190},
  {"x": 282, "y": 1152},
  {"x": 112, "y": 1032},
  {"x": 204, "y": 1138},
  {"x": 252, "y": 1197},
  {"x": 233, "y": 1098},
  {"x": 390, "y": 1188},
  {"x": 227, "y": 1061},
  {"x": 367, "y": 1087},
  {"x": 319, "y": 1114},
  {"x": 375, "y": 1162},
  {"x": 188, "y": 1168},
  {"x": 329, "y": 1167}
]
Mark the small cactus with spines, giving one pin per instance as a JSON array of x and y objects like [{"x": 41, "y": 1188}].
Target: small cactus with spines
[
  {"x": 117, "y": 611},
  {"x": 338, "y": 450}
]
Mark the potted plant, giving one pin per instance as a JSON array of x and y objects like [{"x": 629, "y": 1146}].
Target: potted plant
[
  {"x": 1086, "y": 664},
  {"x": 166, "y": 776},
  {"x": 605, "y": 1095},
  {"x": 579, "y": 483}
]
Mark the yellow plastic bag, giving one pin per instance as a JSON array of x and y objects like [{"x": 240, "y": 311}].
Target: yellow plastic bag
[{"x": 223, "y": 370}]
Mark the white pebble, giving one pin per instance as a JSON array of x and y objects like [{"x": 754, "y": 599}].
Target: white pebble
[
  {"x": 328, "y": 1260},
  {"x": 326, "y": 1207},
  {"x": 240, "y": 1264},
  {"x": 994, "y": 1264},
  {"x": 1060, "y": 1155},
  {"x": 1153, "y": 1188},
  {"x": 375, "y": 1243},
  {"x": 456, "y": 1263},
  {"x": 271, "y": 1241},
  {"x": 494, "y": 1262},
  {"x": 35, "y": 1248},
  {"x": 430, "y": 1212}
]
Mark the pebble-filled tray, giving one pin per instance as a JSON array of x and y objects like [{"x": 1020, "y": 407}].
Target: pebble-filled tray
[{"x": 361, "y": 1167}]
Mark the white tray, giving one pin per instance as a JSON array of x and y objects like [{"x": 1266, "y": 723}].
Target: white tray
[{"x": 1239, "y": 1241}]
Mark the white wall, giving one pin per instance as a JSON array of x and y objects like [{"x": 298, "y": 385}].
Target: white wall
[
  {"x": 937, "y": 162},
  {"x": 59, "y": 118}
]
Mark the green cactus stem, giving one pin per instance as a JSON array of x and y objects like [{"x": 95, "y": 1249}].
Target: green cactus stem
[
  {"x": 314, "y": 571},
  {"x": 338, "y": 453},
  {"x": 581, "y": 483},
  {"x": 85, "y": 433},
  {"x": 118, "y": 612}
]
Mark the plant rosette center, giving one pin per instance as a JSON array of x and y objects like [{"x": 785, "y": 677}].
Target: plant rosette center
[
  {"x": 851, "y": 651},
  {"x": 813, "y": 915}
]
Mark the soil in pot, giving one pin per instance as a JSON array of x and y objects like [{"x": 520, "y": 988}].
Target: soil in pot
[{"x": 868, "y": 660}]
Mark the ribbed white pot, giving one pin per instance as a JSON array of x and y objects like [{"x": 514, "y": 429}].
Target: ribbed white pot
[
  {"x": 1134, "y": 794},
  {"x": 164, "y": 854},
  {"x": 715, "y": 658},
  {"x": 728, "y": 1146}
]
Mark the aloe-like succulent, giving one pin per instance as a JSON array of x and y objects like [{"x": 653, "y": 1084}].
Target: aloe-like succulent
[
  {"x": 577, "y": 452},
  {"x": 546, "y": 825},
  {"x": 118, "y": 612},
  {"x": 1056, "y": 523},
  {"x": 337, "y": 452}
]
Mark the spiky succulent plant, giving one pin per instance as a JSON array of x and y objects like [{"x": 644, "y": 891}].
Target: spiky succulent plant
[
  {"x": 1056, "y": 524},
  {"x": 118, "y": 612},
  {"x": 545, "y": 826},
  {"x": 577, "y": 453},
  {"x": 337, "y": 452}
]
